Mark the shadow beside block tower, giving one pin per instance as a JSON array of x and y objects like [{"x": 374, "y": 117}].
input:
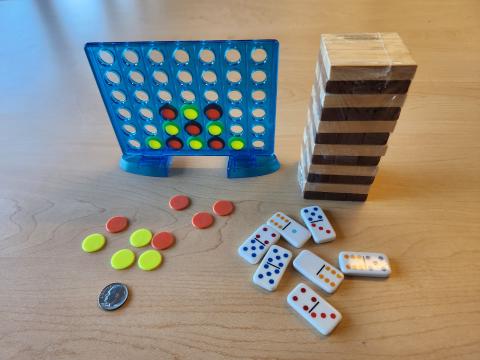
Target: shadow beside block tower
[{"x": 360, "y": 86}]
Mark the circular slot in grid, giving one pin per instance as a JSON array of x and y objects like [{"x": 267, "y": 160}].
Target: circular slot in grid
[
  {"x": 234, "y": 96},
  {"x": 234, "y": 76},
  {"x": 171, "y": 128},
  {"x": 259, "y": 95},
  {"x": 213, "y": 111},
  {"x": 130, "y": 57},
  {"x": 118, "y": 96},
  {"x": 233, "y": 56},
  {"x": 216, "y": 143},
  {"x": 150, "y": 129},
  {"x": 207, "y": 56},
  {"x": 258, "y": 144},
  {"x": 168, "y": 112},
  {"x": 259, "y": 76},
  {"x": 174, "y": 143},
  {"x": 211, "y": 95},
  {"x": 129, "y": 129},
  {"x": 141, "y": 96},
  {"x": 164, "y": 96},
  {"x": 181, "y": 56},
  {"x": 236, "y": 143},
  {"x": 136, "y": 77},
  {"x": 160, "y": 77},
  {"x": 195, "y": 143},
  {"x": 189, "y": 112},
  {"x": 134, "y": 144},
  {"x": 153, "y": 143},
  {"x": 209, "y": 77},
  {"x": 124, "y": 113},
  {"x": 235, "y": 113},
  {"x": 106, "y": 57},
  {"x": 193, "y": 128},
  {"x": 215, "y": 128},
  {"x": 156, "y": 56},
  {"x": 259, "y": 55},
  {"x": 258, "y": 113},
  {"x": 146, "y": 113},
  {"x": 258, "y": 129},
  {"x": 185, "y": 77},
  {"x": 236, "y": 129},
  {"x": 187, "y": 96},
  {"x": 112, "y": 77}
]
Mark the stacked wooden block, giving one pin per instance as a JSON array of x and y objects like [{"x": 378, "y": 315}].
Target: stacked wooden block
[{"x": 360, "y": 87}]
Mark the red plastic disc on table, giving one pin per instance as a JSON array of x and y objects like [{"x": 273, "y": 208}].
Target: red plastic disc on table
[
  {"x": 202, "y": 220},
  {"x": 223, "y": 207},
  {"x": 179, "y": 202},
  {"x": 162, "y": 240},
  {"x": 116, "y": 224}
]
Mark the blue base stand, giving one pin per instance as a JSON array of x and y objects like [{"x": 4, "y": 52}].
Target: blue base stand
[
  {"x": 142, "y": 165},
  {"x": 240, "y": 167}
]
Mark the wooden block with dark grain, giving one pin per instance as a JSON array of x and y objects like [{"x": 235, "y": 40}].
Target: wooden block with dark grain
[
  {"x": 327, "y": 100},
  {"x": 320, "y": 195},
  {"x": 359, "y": 86},
  {"x": 364, "y": 126}
]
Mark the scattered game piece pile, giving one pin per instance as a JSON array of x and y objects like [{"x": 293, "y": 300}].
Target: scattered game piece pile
[
  {"x": 151, "y": 258},
  {"x": 361, "y": 84},
  {"x": 261, "y": 246}
]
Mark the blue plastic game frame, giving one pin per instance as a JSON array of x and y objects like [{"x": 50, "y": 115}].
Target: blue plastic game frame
[{"x": 163, "y": 101}]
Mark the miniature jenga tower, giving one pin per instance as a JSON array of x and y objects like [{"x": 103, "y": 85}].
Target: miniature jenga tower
[{"x": 360, "y": 86}]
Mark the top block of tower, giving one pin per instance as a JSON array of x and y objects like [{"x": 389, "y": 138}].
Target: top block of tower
[{"x": 366, "y": 56}]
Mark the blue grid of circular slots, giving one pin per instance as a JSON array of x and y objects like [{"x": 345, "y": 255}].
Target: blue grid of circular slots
[{"x": 129, "y": 104}]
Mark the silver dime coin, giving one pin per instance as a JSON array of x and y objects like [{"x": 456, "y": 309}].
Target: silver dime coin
[{"x": 113, "y": 296}]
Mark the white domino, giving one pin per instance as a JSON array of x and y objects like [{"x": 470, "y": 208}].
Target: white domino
[
  {"x": 318, "y": 224},
  {"x": 257, "y": 244},
  {"x": 271, "y": 269},
  {"x": 364, "y": 264},
  {"x": 319, "y": 313},
  {"x": 292, "y": 231},
  {"x": 318, "y": 271}
]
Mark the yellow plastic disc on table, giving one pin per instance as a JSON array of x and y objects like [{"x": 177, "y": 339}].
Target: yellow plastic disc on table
[
  {"x": 149, "y": 260},
  {"x": 93, "y": 242},
  {"x": 140, "y": 238},
  {"x": 122, "y": 259}
]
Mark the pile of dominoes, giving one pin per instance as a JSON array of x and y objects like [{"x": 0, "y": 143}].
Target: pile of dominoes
[
  {"x": 360, "y": 87},
  {"x": 274, "y": 260}
]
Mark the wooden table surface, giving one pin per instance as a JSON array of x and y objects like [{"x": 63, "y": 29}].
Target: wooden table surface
[{"x": 59, "y": 181}]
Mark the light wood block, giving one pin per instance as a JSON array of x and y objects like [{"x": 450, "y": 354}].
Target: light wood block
[
  {"x": 366, "y": 56},
  {"x": 349, "y": 150},
  {"x": 336, "y": 188}
]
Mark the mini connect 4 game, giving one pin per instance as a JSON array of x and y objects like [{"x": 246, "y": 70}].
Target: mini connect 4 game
[{"x": 171, "y": 98}]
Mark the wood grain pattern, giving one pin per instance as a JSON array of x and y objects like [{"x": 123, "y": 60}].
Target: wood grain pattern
[
  {"x": 59, "y": 181},
  {"x": 366, "y": 56},
  {"x": 359, "y": 86}
]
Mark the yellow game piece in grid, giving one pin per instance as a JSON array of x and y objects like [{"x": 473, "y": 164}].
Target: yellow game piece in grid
[
  {"x": 140, "y": 238},
  {"x": 122, "y": 259},
  {"x": 149, "y": 260},
  {"x": 93, "y": 242}
]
